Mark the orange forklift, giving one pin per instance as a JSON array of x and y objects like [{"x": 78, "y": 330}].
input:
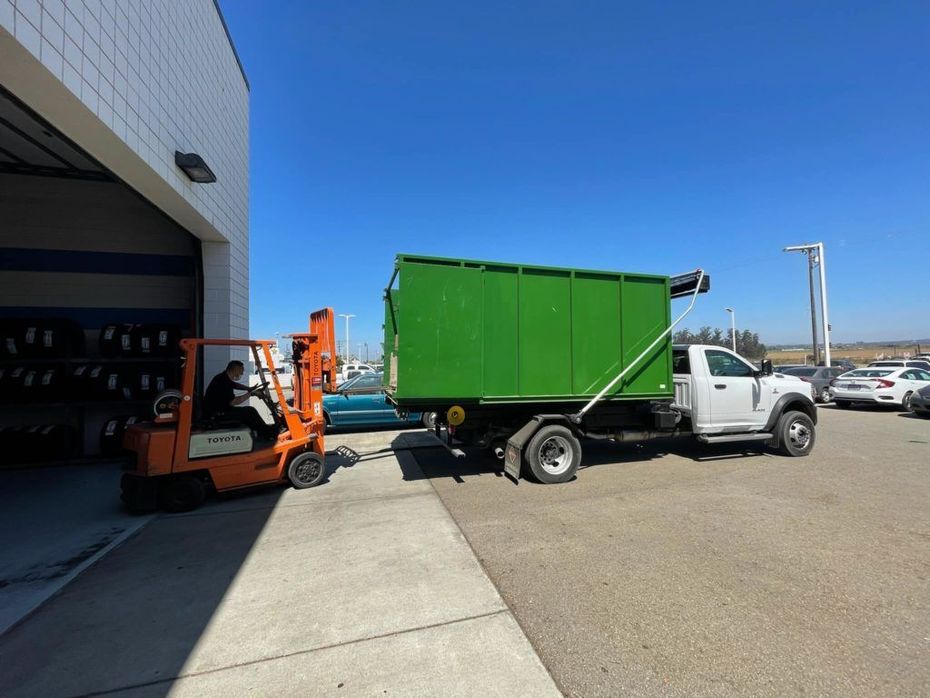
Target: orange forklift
[{"x": 181, "y": 455}]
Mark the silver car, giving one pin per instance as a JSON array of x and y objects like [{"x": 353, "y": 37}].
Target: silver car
[{"x": 819, "y": 377}]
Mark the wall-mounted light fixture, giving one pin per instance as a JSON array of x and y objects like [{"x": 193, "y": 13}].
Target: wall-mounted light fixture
[{"x": 194, "y": 167}]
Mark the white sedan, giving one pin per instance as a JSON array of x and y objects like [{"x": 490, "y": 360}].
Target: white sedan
[{"x": 885, "y": 386}]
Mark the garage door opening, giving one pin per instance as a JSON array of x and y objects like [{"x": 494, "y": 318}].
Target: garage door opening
[{"x": 97, "y": 286}]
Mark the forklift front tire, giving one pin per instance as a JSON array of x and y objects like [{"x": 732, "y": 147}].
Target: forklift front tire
[
  {"x": 181, "y": 493},
  {"x": 306, "y": 470}
]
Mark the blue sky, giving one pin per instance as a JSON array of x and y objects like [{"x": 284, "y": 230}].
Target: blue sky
[{"x": 634, "y": 137}]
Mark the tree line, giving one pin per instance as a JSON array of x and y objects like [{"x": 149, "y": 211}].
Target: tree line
[{"x": 747, "y": 342}]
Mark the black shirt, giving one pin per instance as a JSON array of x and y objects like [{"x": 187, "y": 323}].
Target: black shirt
[{"x": 219, "y": 395}]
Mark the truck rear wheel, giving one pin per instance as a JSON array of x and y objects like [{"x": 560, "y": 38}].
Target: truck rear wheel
[
  {"x": 796, "y": 434},
  {"x": 553, "y": 455}
]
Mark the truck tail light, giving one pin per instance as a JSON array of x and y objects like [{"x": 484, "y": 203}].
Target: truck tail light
[{"x": 882, "y": 383}]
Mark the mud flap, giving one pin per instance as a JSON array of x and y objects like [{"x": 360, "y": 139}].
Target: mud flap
[{"x": 513, "y": 455}]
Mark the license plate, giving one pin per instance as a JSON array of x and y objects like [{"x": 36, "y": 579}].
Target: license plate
[{"x": 853, "y": 386}]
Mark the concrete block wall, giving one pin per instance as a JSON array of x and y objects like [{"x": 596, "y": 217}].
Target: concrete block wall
[{"x": 163, "y": 76}]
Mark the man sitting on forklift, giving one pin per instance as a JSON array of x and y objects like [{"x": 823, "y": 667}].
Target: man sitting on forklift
[{"x": 220, "y": 400}]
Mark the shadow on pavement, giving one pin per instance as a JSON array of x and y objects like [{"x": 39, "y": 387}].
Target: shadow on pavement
[
  {"x": 435, "y": 462},
  {"x": 136, "y": 617}
]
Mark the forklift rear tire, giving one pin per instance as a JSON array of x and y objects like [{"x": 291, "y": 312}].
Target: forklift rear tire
[
  {"x": 306, "y": 470},
  {"x": 181, "y": 493},
  {"x": 553, "y": 455}
]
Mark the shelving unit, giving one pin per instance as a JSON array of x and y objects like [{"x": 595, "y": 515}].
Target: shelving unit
[{"x": 73, "y": 403}]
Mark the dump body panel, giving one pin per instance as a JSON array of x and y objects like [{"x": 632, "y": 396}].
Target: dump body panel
[{"x": 491, "y": 332}]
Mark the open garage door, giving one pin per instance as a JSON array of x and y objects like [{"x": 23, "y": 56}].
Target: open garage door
[{"x": 96, "y": 288}]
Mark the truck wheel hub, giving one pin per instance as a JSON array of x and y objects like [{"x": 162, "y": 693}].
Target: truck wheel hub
[
  {"x": 555, "y": 455},
  {"x": 799, "y": 434}
]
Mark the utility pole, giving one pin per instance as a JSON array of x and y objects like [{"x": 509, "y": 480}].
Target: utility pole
[
  {"x": 810, "y": 282},
  {"x": 823, "y": 304},
  {"x": 348, "y": 346},
  {"x": 815, "y": 255},
  {"x": 732, "y": 326}
]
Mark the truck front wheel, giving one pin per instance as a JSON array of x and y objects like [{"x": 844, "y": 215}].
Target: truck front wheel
[
  {"x": 796, "y": 434},
  {"x": 553, "y": 455}
]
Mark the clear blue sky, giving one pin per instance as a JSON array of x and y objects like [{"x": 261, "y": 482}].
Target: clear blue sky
[{"x": 646, "y": 137}]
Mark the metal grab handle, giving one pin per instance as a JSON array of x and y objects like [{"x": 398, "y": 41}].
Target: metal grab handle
[{"x": 597, "y": 398}]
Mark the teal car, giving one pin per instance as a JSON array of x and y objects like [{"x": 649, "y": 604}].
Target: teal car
[{"x": 361, "y": 402}]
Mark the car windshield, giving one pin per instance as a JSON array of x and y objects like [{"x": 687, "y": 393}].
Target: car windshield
[
  {"x": 801, "y": 371},
  {"x": 867, "y": 373}
]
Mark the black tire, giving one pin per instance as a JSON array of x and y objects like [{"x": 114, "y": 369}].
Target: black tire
[
  {"x": 306, "y": 470},
  {"x": 842, "y": 404},
  {"x": 796, "y": 434},
  {"x": 428, "y": 419},
  {"x": 825, "y": 396},
  {"x": 923, "y": 415},
  {"x": 181, "y": 493},
  {"x": 906, "y": 401},
  {"x": 139, "y": 494},
  {"x": 553, "y": 455}
]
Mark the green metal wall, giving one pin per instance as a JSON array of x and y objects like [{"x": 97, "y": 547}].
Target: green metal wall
[{"x": 495, "y": 332}]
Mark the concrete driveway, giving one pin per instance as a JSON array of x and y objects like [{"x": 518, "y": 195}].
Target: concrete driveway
[
  {"x": 361, "y": 586},
  {"x": 54, "y": 523},
  {"x": 683, "y": 570}
]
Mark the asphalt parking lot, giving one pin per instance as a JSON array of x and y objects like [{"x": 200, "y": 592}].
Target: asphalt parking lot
[{"x": 681, "y": 570}]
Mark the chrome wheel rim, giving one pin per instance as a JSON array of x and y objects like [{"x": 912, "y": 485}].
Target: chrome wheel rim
[
  {"x": 555, "y": 455},
  {"x": 799, "y": 434}
]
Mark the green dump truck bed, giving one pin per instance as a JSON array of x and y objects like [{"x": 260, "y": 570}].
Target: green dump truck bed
[{"x": 490, "y": 332}]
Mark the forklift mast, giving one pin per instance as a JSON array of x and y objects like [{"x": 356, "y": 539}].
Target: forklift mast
[{"x": 314, "y": 357}]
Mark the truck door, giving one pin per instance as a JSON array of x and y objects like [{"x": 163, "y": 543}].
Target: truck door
[{"x": 738, "y": 399}]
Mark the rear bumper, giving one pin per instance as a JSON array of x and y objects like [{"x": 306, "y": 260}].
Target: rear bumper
[
  {"x": 864, "y": 396},
  {"x": 920, "y": 404}
]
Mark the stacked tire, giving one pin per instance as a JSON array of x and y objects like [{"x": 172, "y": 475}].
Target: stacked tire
[{"x": 38, "y": 443}]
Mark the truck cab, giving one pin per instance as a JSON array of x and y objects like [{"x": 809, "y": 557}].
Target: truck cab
[{"x": 725, "y": 396}]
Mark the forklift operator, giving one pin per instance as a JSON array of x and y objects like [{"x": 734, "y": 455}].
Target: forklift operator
[{"x": 220, "y": 400}]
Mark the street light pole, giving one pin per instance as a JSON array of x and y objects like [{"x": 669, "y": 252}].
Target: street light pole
[
  {"x": 732, "y": 326},
  {"x": 823, "y": 305},
  {"x": 815, "y": 254},
  {"x": 348, "y": 346}
]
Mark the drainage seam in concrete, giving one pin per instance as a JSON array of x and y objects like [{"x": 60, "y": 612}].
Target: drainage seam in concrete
[{"x": 288, "y": 655}]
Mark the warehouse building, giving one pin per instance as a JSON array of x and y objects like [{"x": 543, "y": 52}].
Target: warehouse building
[{"x": 124, "y": 211}]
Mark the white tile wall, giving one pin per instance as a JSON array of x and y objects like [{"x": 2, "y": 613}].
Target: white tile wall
[{"x": 163, "y": 76}]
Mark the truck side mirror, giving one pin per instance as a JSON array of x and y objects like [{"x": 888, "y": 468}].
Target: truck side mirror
[{"x": 767, "y": 367}]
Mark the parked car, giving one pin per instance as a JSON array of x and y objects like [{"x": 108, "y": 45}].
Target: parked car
[
  {"x": 787, "y": 367},
  {"x": 901, "y": 363},
  {"x": 879, "y": 385},
  {"x": 844, "y": 364},
  {"x": 351, "y": 370},
  {"x": 819, "y": 377},
  {"x": 360, "y": 401},
  {"x": 920, "y": 403}
]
